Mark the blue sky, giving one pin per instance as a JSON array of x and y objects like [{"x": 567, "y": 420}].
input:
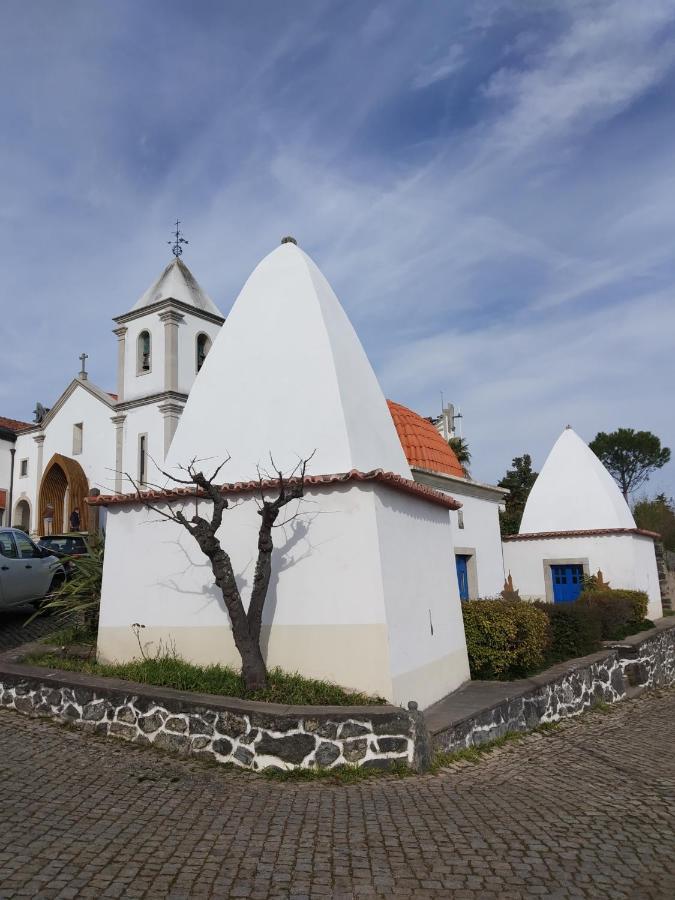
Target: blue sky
[{"x": 489, "y": 187}]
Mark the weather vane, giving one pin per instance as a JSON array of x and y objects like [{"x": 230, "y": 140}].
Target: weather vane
[{"x": 178, "y": 239}]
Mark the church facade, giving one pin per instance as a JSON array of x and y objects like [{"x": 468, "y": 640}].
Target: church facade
[{"x": 91, "y": 439}]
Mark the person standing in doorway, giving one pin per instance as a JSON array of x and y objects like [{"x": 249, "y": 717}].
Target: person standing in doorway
[
  {"x": 48, "y": 519},
  {"x": 75, "y": 520}
]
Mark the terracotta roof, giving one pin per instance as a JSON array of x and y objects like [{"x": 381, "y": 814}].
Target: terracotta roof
[
  {"x": 14, "y": 425},
  {"x": 392, "y": 480},
  {"x": 422, "y": 444},
  {"x": 589, "y": 532}
]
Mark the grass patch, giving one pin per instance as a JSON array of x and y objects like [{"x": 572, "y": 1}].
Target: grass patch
[
  {"x": 173, "y": 672},
  {"x": 475, "y": 753},
  {"x": 547, "y": 727},
  {"x": 72, "y": 634}
]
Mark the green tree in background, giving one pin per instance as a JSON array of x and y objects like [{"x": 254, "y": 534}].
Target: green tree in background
[
  {"x": 657, "y": 515},
  {"x": 519, "y": 481},
  {"x": 630, "y": 456},
  {"x": 460, "y": 448}
]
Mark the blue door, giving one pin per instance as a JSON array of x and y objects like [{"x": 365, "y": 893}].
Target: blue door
[
  {"x": 463, "y": 576},
  {"x": 568, "y": 581}
]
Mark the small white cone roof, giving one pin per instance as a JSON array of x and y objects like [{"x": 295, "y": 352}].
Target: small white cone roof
[
  {"x": 287, "y": 375},
  {"x": 574, "y": 492},
  {"x": 177, "y": 283}
]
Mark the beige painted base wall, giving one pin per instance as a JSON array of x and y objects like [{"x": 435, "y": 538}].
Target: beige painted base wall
[{"x": 353, "y": 656}]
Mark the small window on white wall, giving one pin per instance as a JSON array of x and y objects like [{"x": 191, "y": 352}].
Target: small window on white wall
[
  {"x": 23, "y": 468},
  {"x": 203, "y": 347},
  {"x": 460, "y": 518},
  {"x": 142, "y": 458},
  {"x": 78, "y": 437},
  {"x": 144, "y": 359}
]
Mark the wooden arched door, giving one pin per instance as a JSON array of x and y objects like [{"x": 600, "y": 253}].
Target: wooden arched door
[{"x": 64, "y": 487}]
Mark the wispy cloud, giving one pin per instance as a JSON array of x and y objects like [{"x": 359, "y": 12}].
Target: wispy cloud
[
  {"x": 440, "y": 68},
  {"x": 489, "y": 189}
]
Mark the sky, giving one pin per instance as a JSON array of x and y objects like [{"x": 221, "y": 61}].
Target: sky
[{"x": 489, "y": 187}]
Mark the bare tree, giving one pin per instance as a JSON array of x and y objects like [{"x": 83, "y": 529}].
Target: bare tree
[{"x": 246, "y": 625}]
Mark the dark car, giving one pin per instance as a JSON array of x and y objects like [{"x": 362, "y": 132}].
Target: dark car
[{"x": 67, "y": 547}]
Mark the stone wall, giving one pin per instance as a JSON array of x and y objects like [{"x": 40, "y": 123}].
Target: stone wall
[
  {"x": 246, "y": 734},
  {"x": 622, "y": 670}
]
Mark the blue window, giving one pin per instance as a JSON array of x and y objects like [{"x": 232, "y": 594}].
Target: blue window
[
  {"x": 463, "y": 575},
  {"x": 568, "y": 582}
]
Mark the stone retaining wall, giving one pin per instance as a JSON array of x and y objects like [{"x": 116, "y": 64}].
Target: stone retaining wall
[
  {"x": 250, "y": 735},
  {"x": 622, "y": 670}
]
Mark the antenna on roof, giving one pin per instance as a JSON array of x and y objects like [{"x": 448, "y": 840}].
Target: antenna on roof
[{"x": 178, "y": 239}]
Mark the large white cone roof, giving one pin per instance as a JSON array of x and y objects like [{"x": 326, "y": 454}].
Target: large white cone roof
[
  {"x": 287, "y": 375},
  {"x": 574, "y": 492}
]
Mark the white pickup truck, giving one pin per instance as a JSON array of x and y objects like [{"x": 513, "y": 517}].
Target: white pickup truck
[{"x": 27, "y": 572}]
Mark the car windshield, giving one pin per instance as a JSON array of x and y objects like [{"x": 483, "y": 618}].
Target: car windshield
[{"x": 66, "y": 544}]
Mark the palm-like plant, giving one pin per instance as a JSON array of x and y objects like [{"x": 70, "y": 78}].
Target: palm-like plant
[
  {"x": 460, "y": 448},
  {"x": 80, "y": 595}
]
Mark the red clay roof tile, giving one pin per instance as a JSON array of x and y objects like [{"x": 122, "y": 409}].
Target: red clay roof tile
[
  {"x": 247, "y": 487},
  {"x": 422, "y": 444}
]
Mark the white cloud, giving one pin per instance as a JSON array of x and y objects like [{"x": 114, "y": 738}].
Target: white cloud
[{"x": 440, "y": 68}]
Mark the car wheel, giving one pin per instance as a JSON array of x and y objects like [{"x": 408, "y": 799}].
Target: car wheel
[{"x": 56, "y": 585}]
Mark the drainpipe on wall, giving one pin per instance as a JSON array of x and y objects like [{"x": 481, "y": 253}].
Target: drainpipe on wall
[{"x": 12, "y": 453}]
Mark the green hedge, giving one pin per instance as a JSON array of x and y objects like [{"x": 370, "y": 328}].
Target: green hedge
[
  {"x": 621, "y": 612},
  {"x": 574, "y": 630},
  {"x": 504, "y": 639},
  {"x": 509, "y": 639}
]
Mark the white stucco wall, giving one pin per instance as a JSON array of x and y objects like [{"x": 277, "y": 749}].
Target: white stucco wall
[
  {"x": 5, "y": 469},
  {"x": 626, "y": 561},
  {"x": 146, "y": 383},
  {"x": 140, "y": 420},
  {"x": 187, "y": 348},
  {"x": 354, "y": 577},
  {"x": 480, "y": 537},
  {"x": 421, "y": 597},
  {"x": 25, "y": 488},
  {"x": 480, "y": 534},
  {"x": 98, "y": 447}
]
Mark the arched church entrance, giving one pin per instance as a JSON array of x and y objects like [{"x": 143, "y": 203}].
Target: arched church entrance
[
  {"x": 21, "y": 517},
  {"x": 63, "y": 488}
]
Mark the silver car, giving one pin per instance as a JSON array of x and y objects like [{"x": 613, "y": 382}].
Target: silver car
[{"x": 27, "y": 572}]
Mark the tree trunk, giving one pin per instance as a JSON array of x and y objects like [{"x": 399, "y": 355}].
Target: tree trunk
[{"x": 253, "y": 668}]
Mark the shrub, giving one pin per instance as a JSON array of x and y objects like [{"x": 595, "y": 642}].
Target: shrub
[
  {"x": 575, "y": 629},
  {"x": 621, "y": 612},
  {"x": 504, "y": 640}
]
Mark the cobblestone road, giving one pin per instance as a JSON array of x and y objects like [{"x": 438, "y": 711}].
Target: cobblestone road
[
  {"x": 585, "y": 811},
  {"x": 14, "y": 631}
]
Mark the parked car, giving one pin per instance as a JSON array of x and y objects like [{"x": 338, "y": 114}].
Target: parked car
[
  {"x": 67, "y": 547},
  {"x": 28, "y": 572}
]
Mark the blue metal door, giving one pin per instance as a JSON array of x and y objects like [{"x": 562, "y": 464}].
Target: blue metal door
[
  {"x": 568, "y": 581},
  {"x": 463, "y": 576}
]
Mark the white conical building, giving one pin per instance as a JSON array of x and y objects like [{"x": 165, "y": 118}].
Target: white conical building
[
  {"x": 574, "y": 492},
  {"x": 363, "y": 591},
  {"x": 287, "y": 375},
  {"x": 577, "y": 523}
]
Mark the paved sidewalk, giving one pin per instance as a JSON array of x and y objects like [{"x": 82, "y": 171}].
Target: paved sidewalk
[
  {"x": 14, "y": 631},
  {"x": 587, "y": 811}
]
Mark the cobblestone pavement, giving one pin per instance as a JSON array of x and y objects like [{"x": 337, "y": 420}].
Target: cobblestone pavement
[
  {"x": 14, "y": 631},
  {"x": 584, "y": 811}
]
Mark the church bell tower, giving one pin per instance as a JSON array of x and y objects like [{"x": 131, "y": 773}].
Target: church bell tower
[{"x": 162, "y": 344}]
